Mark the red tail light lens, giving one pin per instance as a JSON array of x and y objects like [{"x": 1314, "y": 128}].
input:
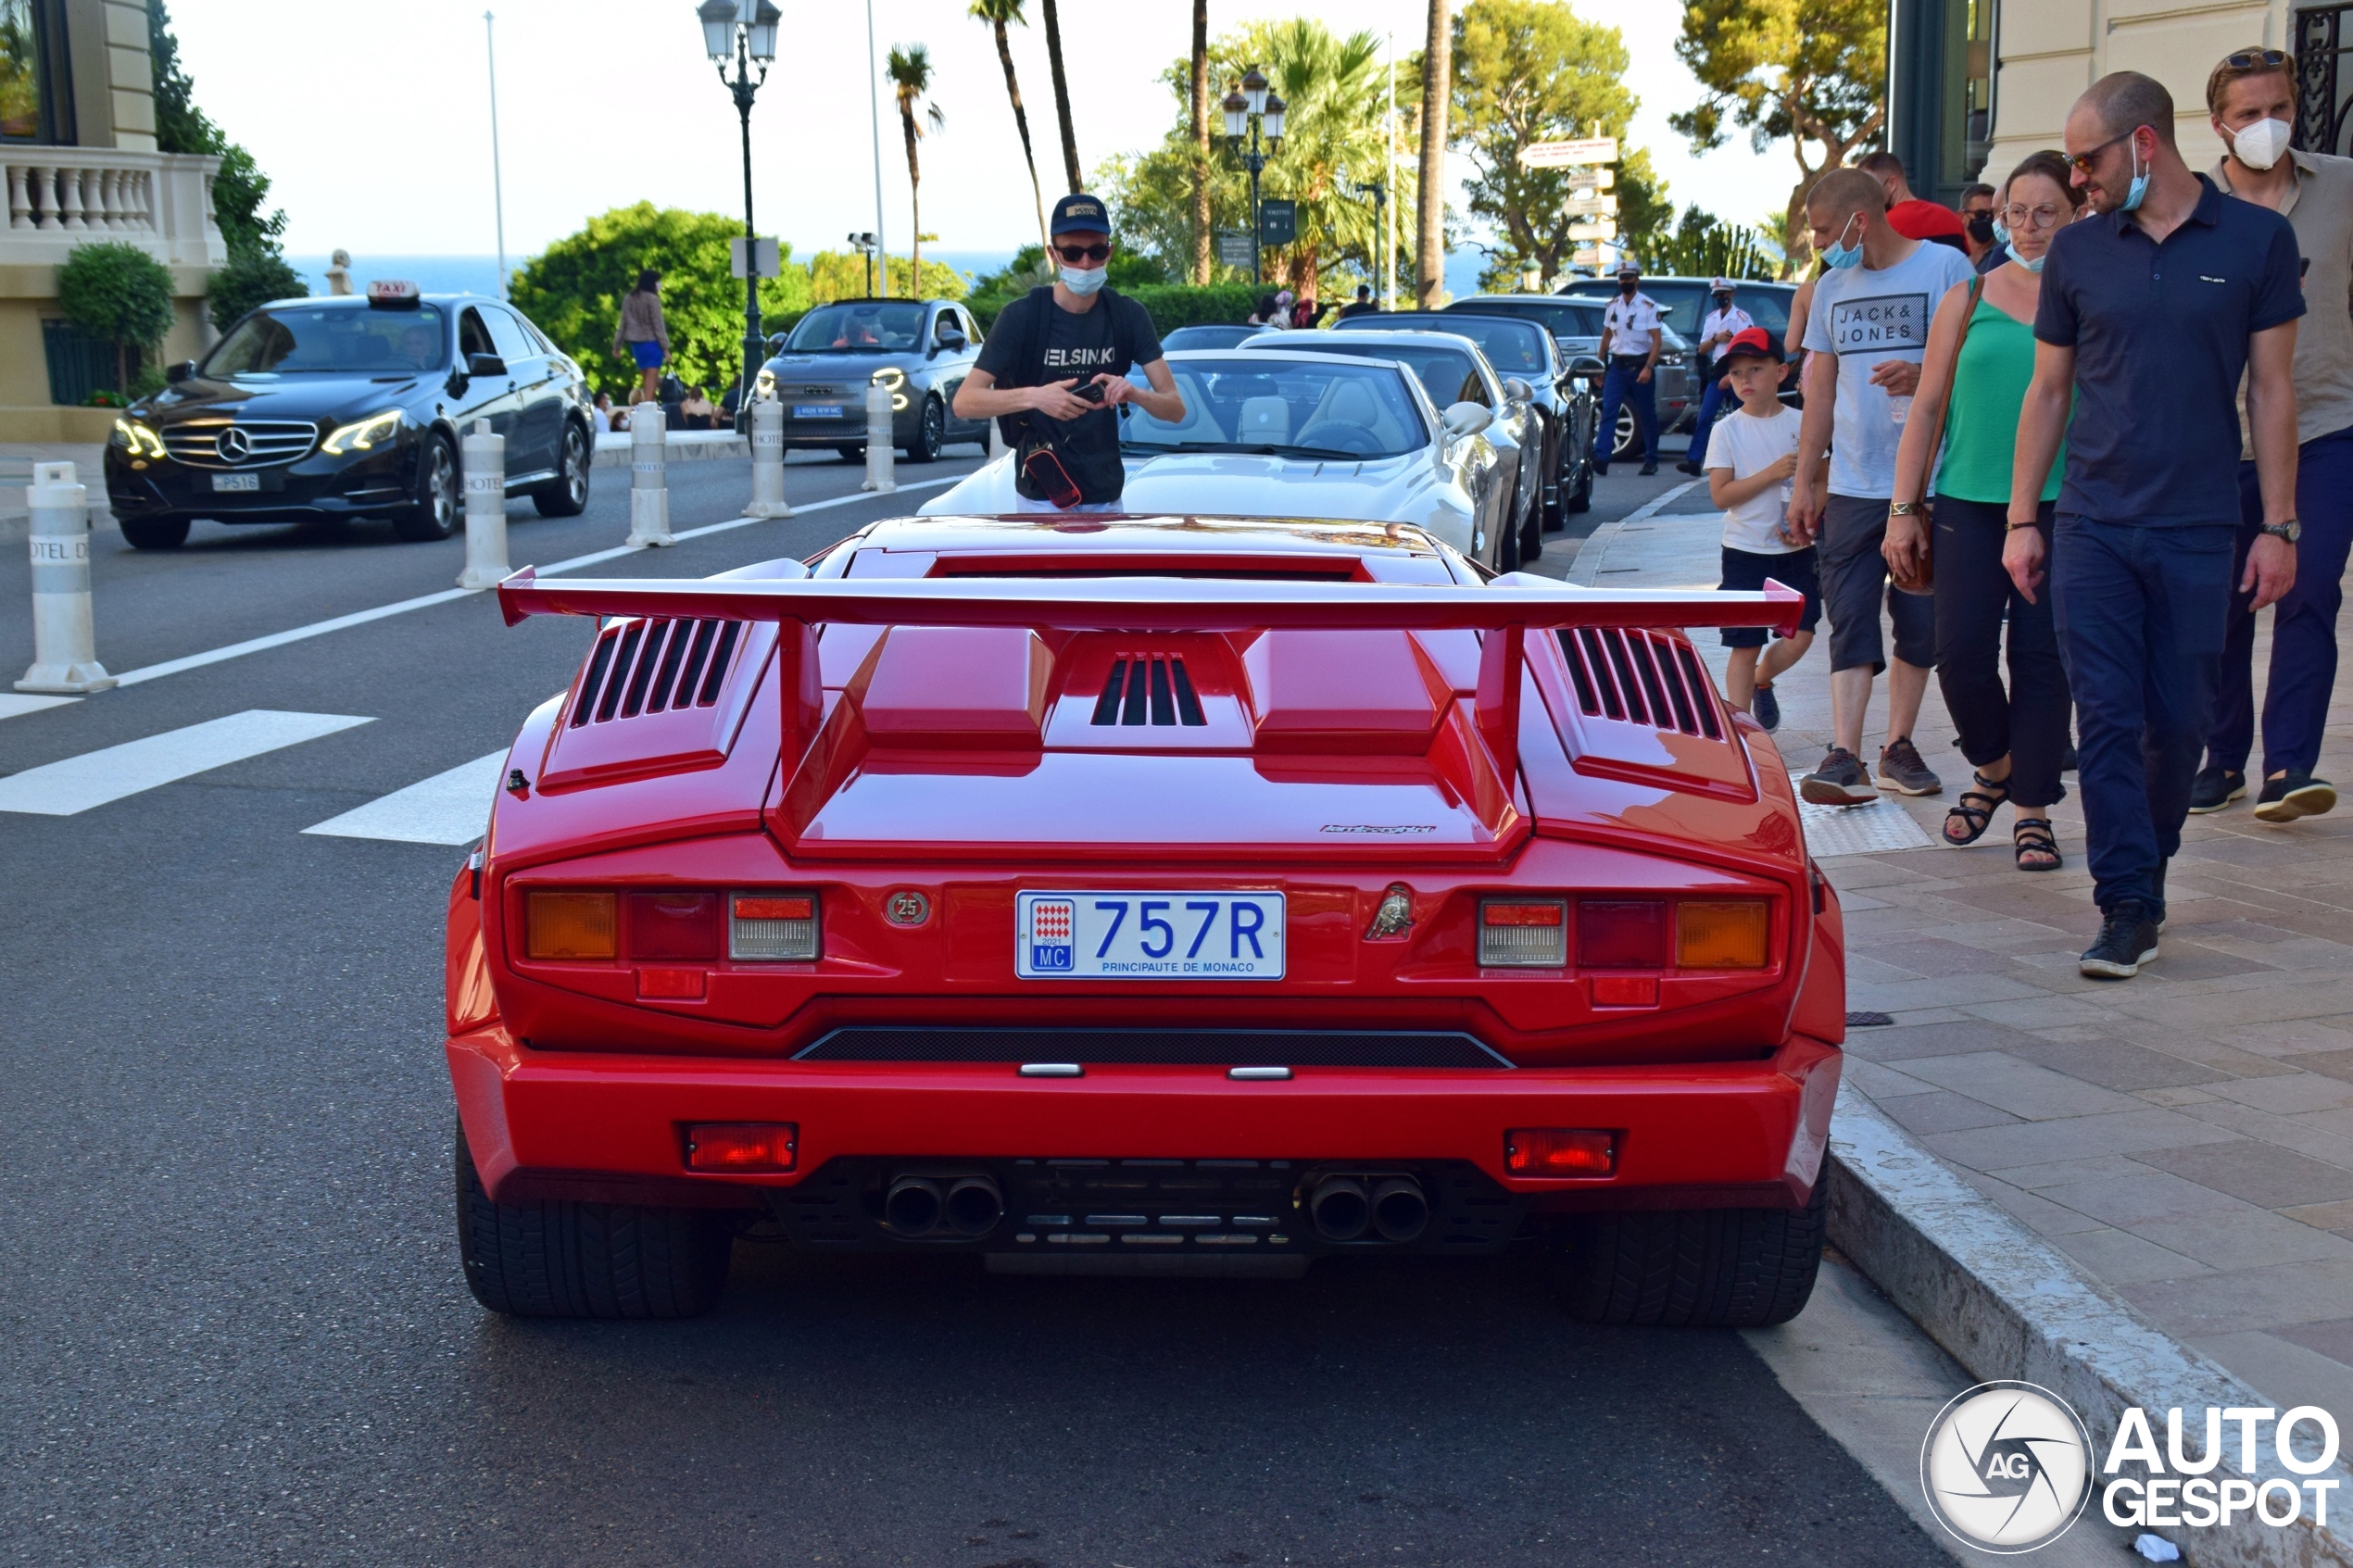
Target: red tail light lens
[
  {"x": 1621, "y": 934},
  {"x": 776, "y": 927},
  {"x": 742, "y": 1146},
  {"x": 1560, "y": 1151},
  {"x": 1523, "y": 933},
  {"x": 674, "y": 925}
]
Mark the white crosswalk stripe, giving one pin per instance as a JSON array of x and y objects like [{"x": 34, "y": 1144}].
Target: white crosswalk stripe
[
  {"x": 14, "y": 703},
  {"x": 450, "y": 807},
  {"x": 77, "y": 784}
]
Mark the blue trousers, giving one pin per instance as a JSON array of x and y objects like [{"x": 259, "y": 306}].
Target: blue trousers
[
  {"x": 1711, "y": 402},
  {"x": 2141, "y": 615},
  {"x": 2296, "y": 701},
  {"x": 1620, "y": 388}
]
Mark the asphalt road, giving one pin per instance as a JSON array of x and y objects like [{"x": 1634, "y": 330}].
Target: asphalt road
[{"x": 235, "y": 1329}]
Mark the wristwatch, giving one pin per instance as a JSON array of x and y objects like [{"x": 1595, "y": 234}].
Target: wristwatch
[{"x": 2290, "y": 531}]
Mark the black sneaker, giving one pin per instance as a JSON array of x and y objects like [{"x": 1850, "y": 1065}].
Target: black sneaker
[
  {"x": 1902, "y": 770},
  {"x": 1766, "y": 708},
  {"x": 1841, "y": 781},
  {"x": 2215, "y": 788},
  {"x": 2294, "y": 793},
  {"x": 1687, "y": 466},
  {"x": 2128, "y": 940},
  {"x": 1648, "y": 470}
]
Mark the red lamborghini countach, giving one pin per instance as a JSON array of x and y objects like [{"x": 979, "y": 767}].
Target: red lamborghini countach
[{"x": 1142, "y": 895}]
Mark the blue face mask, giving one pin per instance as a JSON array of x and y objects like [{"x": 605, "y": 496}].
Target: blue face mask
[
  {"x": 1842, "y": 256},
  {"x": 2140, "y": 186},
  {"x": 2033, "y": 265},
  {"x": 1084, "y": 281},
  {"x": 2001, "y": 233}
]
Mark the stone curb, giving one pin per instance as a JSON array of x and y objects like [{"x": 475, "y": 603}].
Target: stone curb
[{"x": 2007, "y": 1304}]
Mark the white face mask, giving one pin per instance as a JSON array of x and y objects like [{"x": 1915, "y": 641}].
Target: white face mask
[
  {"x": 2260, "y": 145},
  {"x": 1084, "y": 281}
]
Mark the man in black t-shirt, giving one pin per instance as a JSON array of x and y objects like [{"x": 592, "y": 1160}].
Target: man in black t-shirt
[
  {"x": 1364, "y": 306},
  {"x": 1053, "y": 372}
]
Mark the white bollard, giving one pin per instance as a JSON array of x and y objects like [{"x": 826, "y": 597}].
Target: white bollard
[
  {"x": 649, "y": 479},
  {"x": 768, "y": 460},
  {"x": 878, "y": 447},
  {"x": 64, "y": 650},
  {"x": 484, "y": 458}
]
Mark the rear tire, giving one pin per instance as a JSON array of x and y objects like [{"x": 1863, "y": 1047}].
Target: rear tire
[
  {"x": 433, "y": 513},
  {"x": 561, "y": 1260},
  {"x": 154, "y": 533},
  {"x": 1697, "y": 1268},
  {"x": 567, "y": 494}
]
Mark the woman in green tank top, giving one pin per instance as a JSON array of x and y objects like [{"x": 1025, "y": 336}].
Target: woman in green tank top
[{"x": 1982, "y": 346}]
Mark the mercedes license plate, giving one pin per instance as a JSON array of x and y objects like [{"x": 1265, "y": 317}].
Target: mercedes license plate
[
  {"x": 816, "y": 410},
  {"x": 1184, "y": 935},
  {"x": 248, "y": 482}
]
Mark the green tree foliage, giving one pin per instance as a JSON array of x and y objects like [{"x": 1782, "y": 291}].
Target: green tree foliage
[
  {"x": 1812, "y": 73},
  {"x": 1531, "y": 70},
  {"x": 1335, "y": 138},
  {"x": 842, "y": 274},
  {"x": 117, "y": 292},
  {"x": 252, "y": 277},
  {"x": 1704, "y": 245}
]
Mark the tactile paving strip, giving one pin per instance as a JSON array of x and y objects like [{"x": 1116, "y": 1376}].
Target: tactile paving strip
[{"x": 1876, "y": 829}]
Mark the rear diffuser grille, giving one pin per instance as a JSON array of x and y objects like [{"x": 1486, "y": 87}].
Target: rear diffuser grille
[
  {"x": 1640, "y": 678},
  {"x": 1149, "y": 688},
  {"x": 1160, "y": 1047},
  {"x": 646, "y": 666}
]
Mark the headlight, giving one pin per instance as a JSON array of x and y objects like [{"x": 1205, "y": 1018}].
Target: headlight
[
  {"x": 765, "y": 384},
  {"x": 363, "y": 434},
  {"x": 892, "y": 377},
  {"x": 137, "y": 439}
]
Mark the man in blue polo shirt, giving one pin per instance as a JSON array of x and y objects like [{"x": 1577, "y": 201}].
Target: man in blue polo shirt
[{"x": 2151, "y": 311}]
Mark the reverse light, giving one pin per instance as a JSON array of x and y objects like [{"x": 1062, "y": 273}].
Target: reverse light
[
  {"x": 137, "y": 439},
  {"x": 1523, "y": 933},
  {"x": 778, "y": 927},
  {"x": 1621, "y": 934},
  {"x": 362, "y": 434},
  {"x": 742, "y": 1146},
  {"x": 1560, "y": 1151},
  {"x": 1730, "y": 935},
  {"x": 569, "y": 925},
  {"x": 674, "y": 925}
]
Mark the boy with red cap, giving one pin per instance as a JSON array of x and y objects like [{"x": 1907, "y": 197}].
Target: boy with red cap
[{"x": 1751, "y": 459}]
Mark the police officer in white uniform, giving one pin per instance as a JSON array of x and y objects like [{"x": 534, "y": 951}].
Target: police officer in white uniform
[
  {"x": 1630, "y": 342},
  {"x": 1724, "y": 322}
]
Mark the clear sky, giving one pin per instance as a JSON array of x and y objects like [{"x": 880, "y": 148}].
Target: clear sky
[{"x": 372, "y": 120}]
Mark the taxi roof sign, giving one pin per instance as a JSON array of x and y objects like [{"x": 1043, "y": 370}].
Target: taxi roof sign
[{"x": 397, "y": 293}]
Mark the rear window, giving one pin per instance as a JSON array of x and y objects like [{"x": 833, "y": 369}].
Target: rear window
[
  {"x": 1559, "y": 316},
  {"x": 1514, "y": 347},
  {"x": 1447, "y": 374}
]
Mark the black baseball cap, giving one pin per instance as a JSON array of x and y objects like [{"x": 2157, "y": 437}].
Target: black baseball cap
[{"x": 1079, "y": 213}]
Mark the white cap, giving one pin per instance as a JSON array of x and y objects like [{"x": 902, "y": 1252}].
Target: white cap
[{"x": 1721, "y": 285}]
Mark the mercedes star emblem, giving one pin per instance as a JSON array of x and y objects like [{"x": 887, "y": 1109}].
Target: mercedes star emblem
[{"x": 233, "y": 444}]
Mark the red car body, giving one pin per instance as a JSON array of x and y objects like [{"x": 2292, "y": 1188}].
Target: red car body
[{"x": 1339, "y": 728}]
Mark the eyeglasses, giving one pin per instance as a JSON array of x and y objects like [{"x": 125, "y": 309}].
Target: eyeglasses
[
  {"x": 2257, "y": 60},
  {"x": 2017, "y": 216},
  {"x": 1076, "y": 254},
  {"x": 2081, "y": 162}
]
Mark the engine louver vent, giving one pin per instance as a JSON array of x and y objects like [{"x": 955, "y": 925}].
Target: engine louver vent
[
  {"x": 1149, "y": 688},
  {"x": 1641, "y": 679},
  {"x": 648, "y": 666}
]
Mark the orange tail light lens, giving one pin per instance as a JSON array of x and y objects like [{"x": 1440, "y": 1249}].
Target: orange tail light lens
[
  {"x": 569, "y": 925},
  {"x": 1730, "y": 935},
  {"x": 742, "y": 1146},
  {"x": 1523, "y": 933},
  {"x": 1560, "y": 1151}
]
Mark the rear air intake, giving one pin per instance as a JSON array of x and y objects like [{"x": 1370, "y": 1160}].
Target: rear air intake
[
  {"x": 1642, "y": 678},
  {"x": 1148, "y": 689},
  {"x": 648, "y": 666}
]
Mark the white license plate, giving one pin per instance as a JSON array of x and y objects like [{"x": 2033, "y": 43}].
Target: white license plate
[
  {"x": 1183, "y": 936},
  {"x": 248, "y": 483},
  {"x": 816, "y": 410}
]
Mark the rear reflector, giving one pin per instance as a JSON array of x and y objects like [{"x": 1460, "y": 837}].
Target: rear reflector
[
  {"x": 674, "y": 925},
  {"x": 1625, "y": 990},
  {"x": 778, "y": 927},
  {"x": 569, "y": 925},
  {"x": 1726, "y": 935},
  {"x": 1621, "y": 934},
  {"x": 1559, "y": 1151},
  {"x": 673, "y": 984},
  {"x": 742, "y": 1146},
  {"x": 1523, "y": 933}
]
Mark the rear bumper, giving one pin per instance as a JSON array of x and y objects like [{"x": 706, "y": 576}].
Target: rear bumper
[{"x": 608, "y": 1126}]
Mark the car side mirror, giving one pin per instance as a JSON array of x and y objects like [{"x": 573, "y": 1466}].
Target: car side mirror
[
  {"x": 1587, "y": 365},
  {"x": 181, "y": 372},
  {"x": 1517, "y": 390},
  {"x": 953, "y": 341},
  {"x": 484, "y": 365},
  {"x": 1466, "y": 419},
  {"x": 775, "y": 342}
]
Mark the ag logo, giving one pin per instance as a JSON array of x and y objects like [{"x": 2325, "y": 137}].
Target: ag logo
[
  {"x": 907, "y": 907},
  {"x": 2007, "y": 1467}
]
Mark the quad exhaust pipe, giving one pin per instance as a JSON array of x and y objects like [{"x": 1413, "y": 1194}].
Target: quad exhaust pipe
[
  {"x": 1369, "y": 1206},
  {"x": 946, "y": 1207}
]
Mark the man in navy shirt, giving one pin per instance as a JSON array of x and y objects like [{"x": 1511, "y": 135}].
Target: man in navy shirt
[{"x": 2151, "y": 310}]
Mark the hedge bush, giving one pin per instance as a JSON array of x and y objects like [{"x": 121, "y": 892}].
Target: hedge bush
[
  {"x": 119, "y": 294},
  {"x": 1170, "y": 305},
  {"x": 252, "y": 277}
]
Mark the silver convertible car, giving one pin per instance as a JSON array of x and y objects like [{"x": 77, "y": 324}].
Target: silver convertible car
[{"x": 1291, "y": 433}]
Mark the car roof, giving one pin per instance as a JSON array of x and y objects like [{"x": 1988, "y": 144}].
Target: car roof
[
  {"x": 1155, "y": 532},
  {"x": 1738, "y": 284}
]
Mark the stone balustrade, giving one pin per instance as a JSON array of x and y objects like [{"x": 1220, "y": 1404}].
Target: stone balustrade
[{"x": 60, "y": 197}]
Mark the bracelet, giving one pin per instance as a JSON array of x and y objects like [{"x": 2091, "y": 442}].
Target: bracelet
[{"x": 2014, "y": 527}]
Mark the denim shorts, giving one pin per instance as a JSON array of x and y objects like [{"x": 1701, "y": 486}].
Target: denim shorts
[
  {"x": 647, "y": 354},
  {"x": 1745, "y": 572}
]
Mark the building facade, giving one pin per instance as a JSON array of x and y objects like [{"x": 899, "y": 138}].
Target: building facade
[{"x": 78, "y": 159}]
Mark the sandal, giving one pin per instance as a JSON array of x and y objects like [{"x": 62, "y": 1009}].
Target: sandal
[
  {"x": 2032, "y": 836},
  {"x": 1975, "y": 819}
]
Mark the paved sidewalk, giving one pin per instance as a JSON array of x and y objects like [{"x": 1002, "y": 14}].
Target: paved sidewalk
[{"x": 2186, "y": 1136}]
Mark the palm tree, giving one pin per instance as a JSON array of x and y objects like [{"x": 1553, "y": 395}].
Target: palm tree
[
  {"x": 909, "y": 68},
  {"x": 1202, "y": 236},
  {"x": 1062, "y": 94},
  {"x": 997, "y": 14},
  {"x": 1438, "y": 87}
]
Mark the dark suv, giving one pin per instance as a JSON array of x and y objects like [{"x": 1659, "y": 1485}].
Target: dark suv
[
  {"x": 1682, "y": 302},
  {"x": 920, "y": 349},
  {"x": 350, "y": 407}
]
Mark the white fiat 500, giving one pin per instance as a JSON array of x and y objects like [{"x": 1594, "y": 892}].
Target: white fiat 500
[{"x": 1271, "y": 433}]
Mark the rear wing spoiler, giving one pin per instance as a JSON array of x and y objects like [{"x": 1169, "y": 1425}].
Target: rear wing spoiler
[{"x": 1157, "y": 604}]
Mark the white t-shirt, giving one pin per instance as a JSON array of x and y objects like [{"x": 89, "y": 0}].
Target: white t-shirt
[
  {"x": 1868, "y": 318},
  {"x": 1747, "y": 446}
]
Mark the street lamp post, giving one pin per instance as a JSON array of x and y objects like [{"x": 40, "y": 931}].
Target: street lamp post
[
  {"x": 1249, "y": 108},
  {"x": 746, "y": 30},
  {"x": 864, "y": 243},
  {"x": 1378, "y": 191}
]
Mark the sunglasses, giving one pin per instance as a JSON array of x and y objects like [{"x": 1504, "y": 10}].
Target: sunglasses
[
  {"x": 2081, "y": 162},
  {"x": 1076, "y": 254},
  {"x": 2257, "y": 60}
]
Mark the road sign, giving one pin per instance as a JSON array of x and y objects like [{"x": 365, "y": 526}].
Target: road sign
[
  {"x": 1590, "y": 257},
  {"x": 1233, "y": 247},
  {"x": 1595, "y": 229},
  {"x": 1277, "y": 222},
  {"x": 1560, "y": 155},
  {"x": 1587, "y": 181},
  {"x": 764, "y": 259},
  {"x": 1592, "y": 206}
]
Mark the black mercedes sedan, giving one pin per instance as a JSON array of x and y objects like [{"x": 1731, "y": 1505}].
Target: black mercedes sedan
[
  {"x": 918, "y": 350},
  {"x": 351, "y": 408}
]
